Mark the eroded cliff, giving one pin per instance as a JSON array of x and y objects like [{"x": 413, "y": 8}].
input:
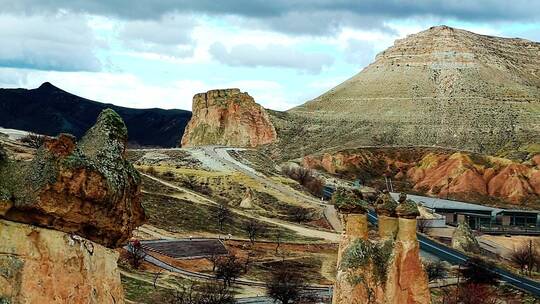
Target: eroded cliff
[
  {"x": 439, "y": 172},
  {"x": 228, "y": 117}
]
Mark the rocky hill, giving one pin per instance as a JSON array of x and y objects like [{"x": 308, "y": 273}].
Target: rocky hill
[
  {"x": 439, "y": 172},
  {"x": 61, "y": 213},
  {"x": 49, "y": 110},
  {"x": 443, "y": 86},
  {"x": 228, "y": 117}
]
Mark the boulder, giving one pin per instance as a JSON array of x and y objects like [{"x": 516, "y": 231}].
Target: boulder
[
  {"x": 39, "y": 265},
  {"x": 88, "y": 189},
  {"x": 228, "y": 117},
  {"x": 463, "y": 239}
]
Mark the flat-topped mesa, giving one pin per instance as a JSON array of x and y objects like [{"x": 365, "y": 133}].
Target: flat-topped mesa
[
  {"x": 228, "y": 117},
  {"x": 88, "y": 189}
]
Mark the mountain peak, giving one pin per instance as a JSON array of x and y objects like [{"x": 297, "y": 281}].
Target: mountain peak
[{"x": 47, "y": 86}]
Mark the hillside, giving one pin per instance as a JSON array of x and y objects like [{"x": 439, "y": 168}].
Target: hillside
[
  {"x": 443, "y": 86},
  {"x": 50, "y": 110}
]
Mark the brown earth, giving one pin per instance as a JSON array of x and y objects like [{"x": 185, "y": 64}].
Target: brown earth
[
  {"x": 461, "y": 175},
  {"x": 228, "y": 117}
]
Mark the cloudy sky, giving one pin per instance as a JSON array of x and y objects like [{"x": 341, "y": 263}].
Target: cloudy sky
[{"x": 158, "y": 53}]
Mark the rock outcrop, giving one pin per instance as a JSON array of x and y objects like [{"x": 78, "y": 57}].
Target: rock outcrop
[
  {"x": 88, "y": 188},
  {"x": 442, "y": 86},
  {"x": 463, "y": 239},
  {"x": 386, "y": 270},
  {"x": 439, "y": 172},
  {"x": 60, "y": 211},
  {"x": 228, "y": 117},
  {"x": 40, "y": 265}
]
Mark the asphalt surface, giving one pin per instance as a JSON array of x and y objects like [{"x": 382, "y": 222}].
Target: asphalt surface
[{"x": 456, "y": 257}]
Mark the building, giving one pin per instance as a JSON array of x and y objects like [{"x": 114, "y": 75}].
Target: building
[{"x": 482, "y": 218}]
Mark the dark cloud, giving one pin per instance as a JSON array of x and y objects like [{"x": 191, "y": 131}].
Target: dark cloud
[
  {"x": 300, "y": 16},
  {"x": 47, "y": 43},
  {"x": 270, "y": 56}
]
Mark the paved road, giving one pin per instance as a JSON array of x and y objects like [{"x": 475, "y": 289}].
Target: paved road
[
  {"x": 203, "y": 276},
  {"x": 456, "y": 257}
]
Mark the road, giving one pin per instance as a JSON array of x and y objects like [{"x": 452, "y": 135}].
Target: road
[
  {"x": 456, "y": 257},
  {"x": 222, "y": 154},
  {"x": 203, "y": 276},
  {"x": 301, "y": 230}
]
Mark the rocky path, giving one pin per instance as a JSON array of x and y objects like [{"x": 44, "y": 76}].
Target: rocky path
[
  {"x": 301, "y": 230},
  {"x": 221, "y": 154}
]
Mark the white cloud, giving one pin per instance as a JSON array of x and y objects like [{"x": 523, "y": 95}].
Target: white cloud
[
  {"x": 273, "y": 55},
  {"x": 57, "y": 42}
]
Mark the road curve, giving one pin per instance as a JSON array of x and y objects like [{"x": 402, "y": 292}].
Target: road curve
[{"x": 222, "y": 154}]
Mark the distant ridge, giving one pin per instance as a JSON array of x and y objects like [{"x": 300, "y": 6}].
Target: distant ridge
[
  {"x": 441, "y": 87},
  {"x": 50, "y": 110}
]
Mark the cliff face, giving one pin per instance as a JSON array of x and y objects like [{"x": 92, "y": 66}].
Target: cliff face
[
  {"x": 462, "y": 175},
  {"x": 60, "y": 211},
  {"x": 40, "y": 265},
  {"x": 384, "y": 270},
  {"x": 228, "y": 117}
]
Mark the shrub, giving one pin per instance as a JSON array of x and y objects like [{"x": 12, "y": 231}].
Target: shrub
[
  {"x": 478, "y": 271},
  {"x": 435, "y": 270},
  {"x": 305, "y": 177},
  {"x": 33, "y": 140}
]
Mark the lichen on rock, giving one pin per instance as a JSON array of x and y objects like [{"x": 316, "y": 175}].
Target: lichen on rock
[
  {"x": 386, "y": 205},
  {"x": 463, "y": 239},
  {"x": 348, "y": 200},
  {"x": 407, "y": 209},
  {"x": 87, "y": 188}
]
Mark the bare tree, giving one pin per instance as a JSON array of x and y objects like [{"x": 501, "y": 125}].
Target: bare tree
[
  {"x": 136, "y": 253},
  {"x": 222, "y": 215},
  {"x": 525, "y": 257},
  {"x": 253, "y": 229},
  {"x": 435, "y": 270},
  {"x": 279, "y": 237},
  {"x": 214, "y": 257},
  {"x": 285, "y": 286},
  {"x": 33, "y": 140},
  {"x": 228, "y": 269},
  {"x": 207, "y": 293},
  {"x": 248, "y": 260}
]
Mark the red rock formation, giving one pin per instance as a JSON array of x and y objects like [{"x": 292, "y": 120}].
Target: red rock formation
[
  {"x": 228, "y": 117},
  {"x": 438, "y": 172}
]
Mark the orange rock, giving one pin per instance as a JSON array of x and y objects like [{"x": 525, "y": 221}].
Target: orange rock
[
  {"x": 91, "y": 190},
  {"x": 40, "y": 265},
  {"x": 511, "y": 183},
  {"x": 228, "y": 117}
]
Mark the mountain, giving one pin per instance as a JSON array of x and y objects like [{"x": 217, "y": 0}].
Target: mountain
[
  {"x": 50, "y": 110},
  {"x": 443, "y": 86}
]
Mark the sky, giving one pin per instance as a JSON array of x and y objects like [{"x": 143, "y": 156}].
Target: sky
[{"x": 159, "y": 53}]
